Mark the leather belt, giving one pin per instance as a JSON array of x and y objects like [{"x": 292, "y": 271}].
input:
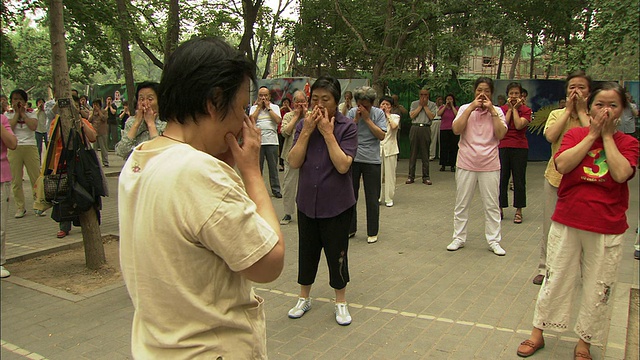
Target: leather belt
[{"x": 421, "y": 125}]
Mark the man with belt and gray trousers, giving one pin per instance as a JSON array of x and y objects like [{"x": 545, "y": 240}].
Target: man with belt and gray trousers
[{"x": 422, "y": 113}]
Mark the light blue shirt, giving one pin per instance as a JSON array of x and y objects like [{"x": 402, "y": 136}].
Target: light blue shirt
[{"x": 368, "y": 144}]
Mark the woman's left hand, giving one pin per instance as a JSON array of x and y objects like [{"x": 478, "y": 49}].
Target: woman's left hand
[
  {"x": 246, "y": 155},
  {"x": 325, "y": 126}
]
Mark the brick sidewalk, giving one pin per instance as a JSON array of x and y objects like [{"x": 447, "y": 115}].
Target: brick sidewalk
[{"x": 409, "y": 297}]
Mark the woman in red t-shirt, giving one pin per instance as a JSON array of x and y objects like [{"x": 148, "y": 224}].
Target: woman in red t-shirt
[
  {"x": 514, "y": 151},
  {"x": 588, "y": 224}
]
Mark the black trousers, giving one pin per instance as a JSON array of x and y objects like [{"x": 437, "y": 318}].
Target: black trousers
[
  {"x": 420, "y": 141},
  {"x": 330, "y": 234},
  {"x": 513, "y": 162},
  {"x": 448, "y": 148},
  {"x": 371, "y": 177}
]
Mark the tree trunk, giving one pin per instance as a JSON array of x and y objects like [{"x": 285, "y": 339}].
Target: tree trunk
[
  {"x": 250, "y": 11},
  {"x": 173, "y": 29},
  {"x": 93, "y": 247},
  {"x": 500, "y": 62},
  {"x": 516, "y": 60},
  {"x": 126, "y": 54},
  {"x": 532, "y": 55}
]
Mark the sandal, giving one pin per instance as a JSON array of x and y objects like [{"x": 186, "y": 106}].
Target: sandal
[
  {"x": 529, "y": 348},
  {"x": 517, "y": 219},
  {"x": 580, "y": 355},
  {"x": 61, "y": 234}
]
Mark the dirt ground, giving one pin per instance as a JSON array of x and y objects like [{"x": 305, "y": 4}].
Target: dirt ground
[{"x": 66, "y": 270}]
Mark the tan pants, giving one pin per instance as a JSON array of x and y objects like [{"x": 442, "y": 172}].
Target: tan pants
[
  {"x": 550, "y": 200},
  {"x": 23, "y": 156},
  {"x": 388, "y": 174},
  {"x": 289, "y": 189},
  {"x": 573, "y": 254}
]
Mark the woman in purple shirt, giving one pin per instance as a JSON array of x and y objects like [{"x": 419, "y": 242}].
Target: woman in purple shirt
[{"x": 324, "y": 147}]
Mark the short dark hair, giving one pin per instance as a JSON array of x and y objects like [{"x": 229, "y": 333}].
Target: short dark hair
[
  {"x": 39, "y": 99},
  {"x": 386, "y": 98},
  {"x": 609, "y": 85},
  {"x": 285, "y": 99},
  {"x": 22, "y": 93},
  {"x": 514, "y": 85},
  {"x": 329, "y": 83},
  {"x": 85, "y": 97},
  {"x": 579, "y": 74},
  {"x": 97, "y": 102},
  {"x": 453, "y": 96},
  {"x": 147, "y": 85},
  {"x": 483, "y": 79},
  {"x": 199, "y": 71}
]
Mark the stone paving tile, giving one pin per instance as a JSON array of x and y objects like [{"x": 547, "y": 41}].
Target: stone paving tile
[{"x": 410, "y": 298}]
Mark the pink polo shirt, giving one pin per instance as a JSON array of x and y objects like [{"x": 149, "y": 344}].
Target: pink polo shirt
[
  {"x": 5, "y": 170},
  {"x": 478, "y": 146}
]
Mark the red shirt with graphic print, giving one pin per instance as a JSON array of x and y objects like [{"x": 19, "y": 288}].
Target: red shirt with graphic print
[{"x": 588, "y": 197}]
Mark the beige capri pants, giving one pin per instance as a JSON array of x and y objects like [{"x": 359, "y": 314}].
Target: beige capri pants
[{"x": 573, "y": 254}]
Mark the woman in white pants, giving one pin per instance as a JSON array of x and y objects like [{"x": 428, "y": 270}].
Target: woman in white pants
[
  {"x": 588, "y": 224},
  {"x": 481, "y": 126},
  {"x": 389, "y": 152}
]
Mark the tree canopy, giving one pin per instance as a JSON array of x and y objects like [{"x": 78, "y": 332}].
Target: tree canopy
[{"x": 383, "y": 40}]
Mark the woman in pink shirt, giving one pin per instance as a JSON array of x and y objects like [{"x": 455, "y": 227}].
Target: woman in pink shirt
[
  {"x": 448, "y": 140},
  {"x": 481, "y": 125},
  {"x": 9, "y": 141}
]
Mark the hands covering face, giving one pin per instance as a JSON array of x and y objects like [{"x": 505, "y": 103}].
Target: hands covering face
[
  {"x": 481, "y": 101},
  {"x": 576, "y": 103},
  {"x": 319, "y": 117},
  {"x": 603, "y": 123},
  {"x": 244, "y": 148}
]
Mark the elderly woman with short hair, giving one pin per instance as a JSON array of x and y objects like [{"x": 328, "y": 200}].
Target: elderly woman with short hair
[
  {"x": 325, "y": 144},
  {"x": 372, "y": 126}
]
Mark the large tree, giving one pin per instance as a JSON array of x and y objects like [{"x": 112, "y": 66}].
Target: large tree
[{"x": 93, "y": 247}]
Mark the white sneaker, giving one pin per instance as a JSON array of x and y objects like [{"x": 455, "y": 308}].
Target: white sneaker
[
  {"x": 389, "y": 204},
  {"x": 497, "y": 249},
  {"x": 455, "y": 245},
  {"x": 301, "y": 307},
  {"x": 4, "y": 273},
  {"x": 342, "y": 314},
  {"x": 372, "y": 239}
]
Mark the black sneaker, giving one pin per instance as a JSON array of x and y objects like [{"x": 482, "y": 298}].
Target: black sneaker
[{"x": 285, "y": 220}]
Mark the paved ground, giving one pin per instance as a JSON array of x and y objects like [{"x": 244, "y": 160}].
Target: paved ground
[{"x": 409, "y": 297}]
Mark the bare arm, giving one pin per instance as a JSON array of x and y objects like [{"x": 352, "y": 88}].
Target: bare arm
[
  {"x": 8, "y": 139},
  {"x": 461, "y": 123},
  {"x": 499, "y": 128},
  {"x": 269, "y": 267},
  {"x": 519, "y": 121},
  {"x": 414, "y": 113}
]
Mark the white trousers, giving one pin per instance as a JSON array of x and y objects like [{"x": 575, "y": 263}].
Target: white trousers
[
  {"x": 4, "y": 210},
  {"x": 388, "y": 175},
  {"x": 289, "y": 189},
  {"x": 550, "y": 200},
  {"x": 488, "y": 184},
  {"x": 434, "y": 149},
  {"x": 573, "y": 254}
]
